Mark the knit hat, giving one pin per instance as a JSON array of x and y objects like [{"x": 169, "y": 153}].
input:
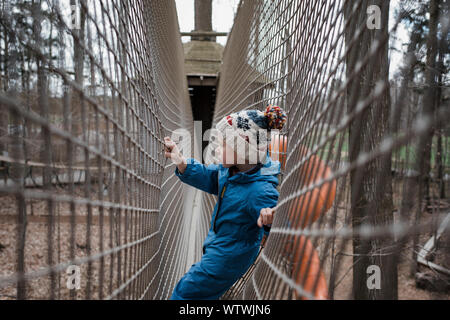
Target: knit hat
[{"x": 251, "y": 129}]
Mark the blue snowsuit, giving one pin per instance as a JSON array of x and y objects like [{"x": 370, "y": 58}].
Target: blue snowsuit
[{"x": 234, "y": 238}]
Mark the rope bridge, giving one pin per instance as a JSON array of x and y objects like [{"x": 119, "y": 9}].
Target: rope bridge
[{"x": 90, "y": 209}]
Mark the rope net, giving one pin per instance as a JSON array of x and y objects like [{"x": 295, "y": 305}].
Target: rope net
[
  {"x": 354, "y": 177},
  {"x": 89, "y": 89}
]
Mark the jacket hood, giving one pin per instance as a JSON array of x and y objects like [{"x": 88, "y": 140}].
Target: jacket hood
[{"x": 268, "y": 172}]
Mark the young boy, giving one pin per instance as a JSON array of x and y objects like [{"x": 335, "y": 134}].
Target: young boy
[{"x": 246, "y": 191}]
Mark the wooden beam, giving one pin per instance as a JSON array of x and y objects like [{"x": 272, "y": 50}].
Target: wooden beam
[
  {"x": 202, "y": 81},
  {"x": 204, "y": 34}
]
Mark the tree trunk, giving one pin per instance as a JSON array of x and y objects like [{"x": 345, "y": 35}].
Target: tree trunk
[
  {"x": 4, "y": 114},
  {"x": 78, "y": 55},
  {"x": 429, "y": 101},
  {"x": 428, "y": 108},
  {"x": 371, "y": 184},
  {"x": 443, "y": 49}
]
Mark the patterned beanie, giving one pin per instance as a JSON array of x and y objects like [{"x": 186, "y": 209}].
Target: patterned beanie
[{"x": 251, "y": 127}]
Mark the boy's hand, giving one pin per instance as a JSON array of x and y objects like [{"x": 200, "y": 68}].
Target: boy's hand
[
  {"x": 265, "y": 217},
  {"x": 172, "y": 152}
]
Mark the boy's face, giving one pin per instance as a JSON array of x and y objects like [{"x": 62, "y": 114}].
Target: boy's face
[{"x": 227, "y": 155}]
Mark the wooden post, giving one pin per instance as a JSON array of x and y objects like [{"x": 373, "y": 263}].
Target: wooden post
[{"x": 203, "y": 19}]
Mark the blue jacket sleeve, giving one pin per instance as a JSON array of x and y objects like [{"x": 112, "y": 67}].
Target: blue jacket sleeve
[
  {"x": 205, "y": 178},
  {"x": 267, "y": 198}
]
